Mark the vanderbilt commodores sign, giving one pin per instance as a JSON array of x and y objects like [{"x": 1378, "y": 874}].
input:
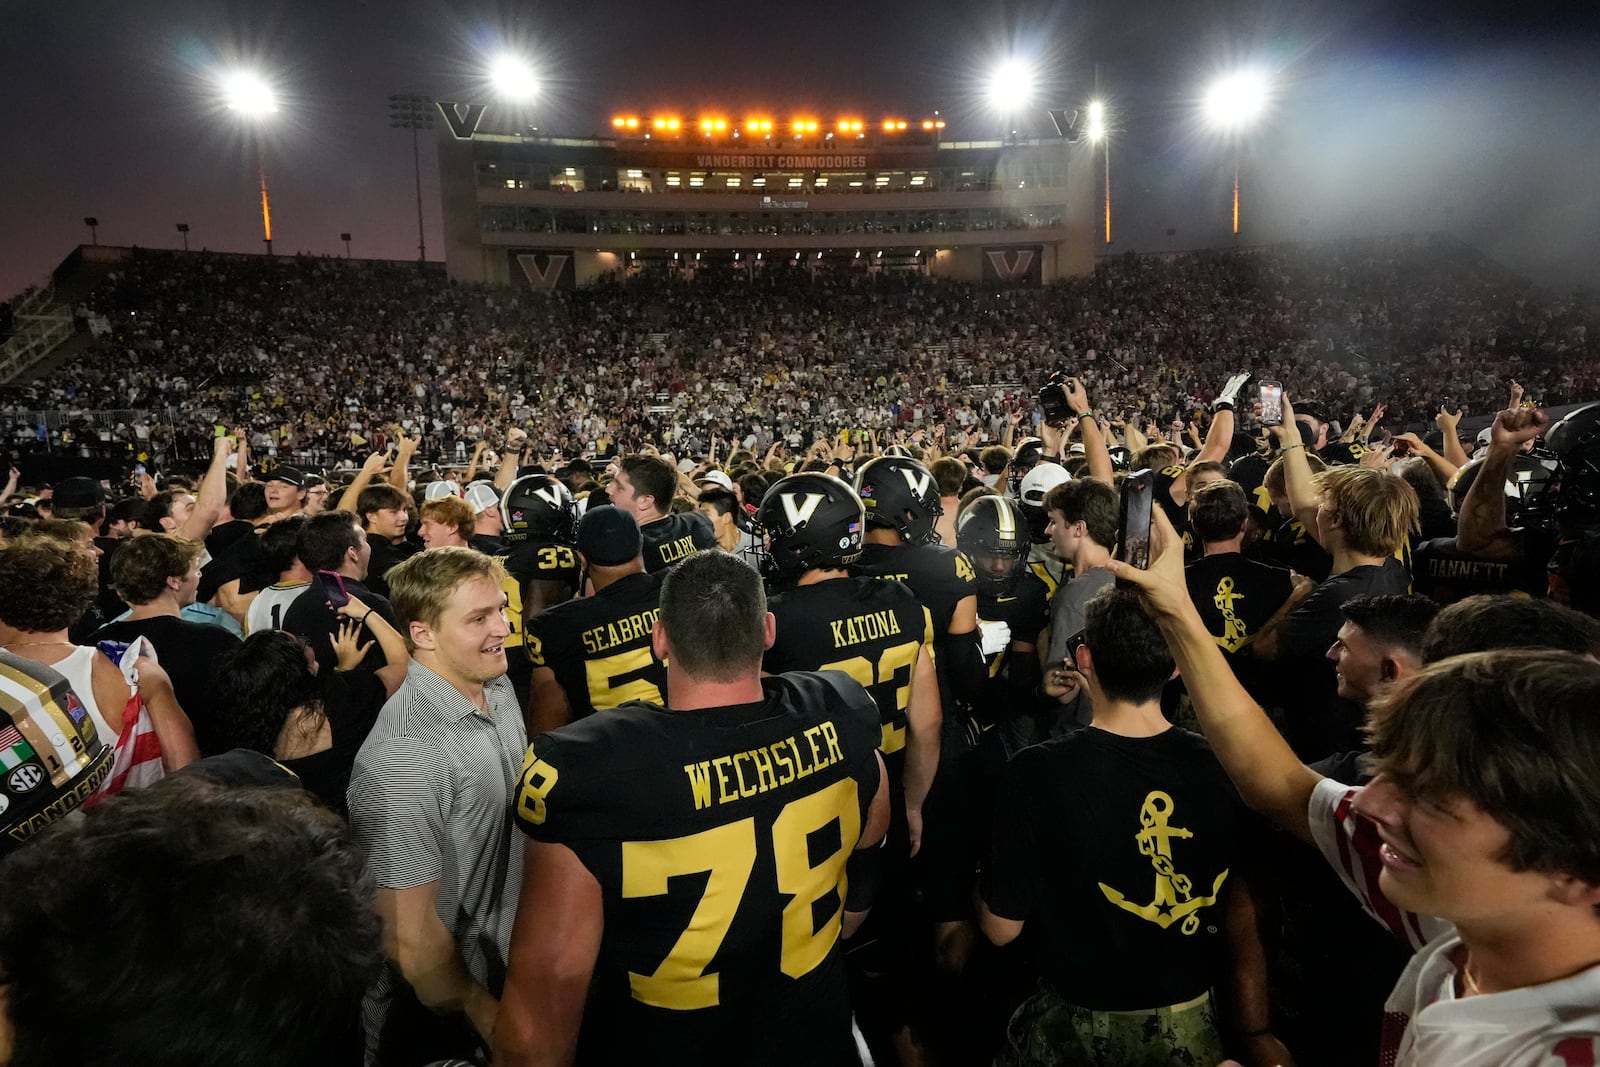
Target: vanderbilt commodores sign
[{"x": 1013, "y": 266}]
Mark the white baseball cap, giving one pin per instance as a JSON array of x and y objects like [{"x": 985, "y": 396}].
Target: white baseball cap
[{"x": 482, "y": 497}]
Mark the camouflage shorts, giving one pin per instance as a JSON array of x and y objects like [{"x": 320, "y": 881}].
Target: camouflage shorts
[{"x": 1046, "y": 1031}]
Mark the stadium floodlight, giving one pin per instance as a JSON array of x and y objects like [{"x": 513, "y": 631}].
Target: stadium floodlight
[
  {"x": 248, "y": 93},
  {"x": 1236, "y": 100},
  {"x": 1097, "y": 120},
  {"x": 1096, "y": 132},
  {"x": 512, "y": 77},
  {"x": 1232, "y": 104},
  {"x": 1011, "y": 87}
]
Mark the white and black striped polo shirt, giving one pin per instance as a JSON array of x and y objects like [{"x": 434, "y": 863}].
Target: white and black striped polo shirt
[{"x": 430, "y": 801}]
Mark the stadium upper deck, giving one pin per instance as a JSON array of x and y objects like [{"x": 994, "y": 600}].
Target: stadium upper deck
[{"x": 521, "y": 207}]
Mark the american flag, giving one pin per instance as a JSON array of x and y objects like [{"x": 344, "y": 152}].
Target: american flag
[{"x": 14, "y": 749}]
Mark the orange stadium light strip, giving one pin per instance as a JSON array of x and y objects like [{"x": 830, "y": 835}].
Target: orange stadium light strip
[{"x": 709, "y": 125}]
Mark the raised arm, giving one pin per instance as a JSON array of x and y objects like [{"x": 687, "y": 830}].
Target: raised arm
[
  {"x": 1447, "y": 423},
  {"x": 1263, "y": 767},
  {"x": 213, "y": 493},
  {"x": 1094, "y": 440},
  {"x": 1297, "y": 480},
  {"x": 1440, "y": 466},
  {"x": 241, "y": 448},
  {"x": 472, "y": 467},
  {"x": 1219, "y": 436},
  {"x": 400, "y": 476},
  {"x": 370, "y": 470},
  {"x": 1482, "y": 530}
]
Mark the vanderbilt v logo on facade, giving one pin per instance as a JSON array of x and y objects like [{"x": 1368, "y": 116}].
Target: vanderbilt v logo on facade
[
  {"x": 462, "y": 119},
  {"x": 1011, "y": 266},
  {"x": 542, "y": 277}
]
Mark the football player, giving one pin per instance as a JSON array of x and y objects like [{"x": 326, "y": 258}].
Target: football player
[
  {"x": 644, "y": 487},
  {"x": 686, "y": 868},
  {"x": 1013, "y": 604},
  {"x": 539, "y": 534},
  {"x": 877, "y": 632},
  {"x": 902, "y": 505},
  {"x": 595, "y": 652}
]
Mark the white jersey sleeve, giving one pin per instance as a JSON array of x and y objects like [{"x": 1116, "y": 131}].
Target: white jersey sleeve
[
  {"x": 1350, "y": 845},
  {"x": 1426, "y": 1024}
]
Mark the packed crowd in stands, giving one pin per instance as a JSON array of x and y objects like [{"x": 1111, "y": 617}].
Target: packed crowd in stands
[
  {"x": 800, "y": 670},
  {"x": 318, "y": 357}
]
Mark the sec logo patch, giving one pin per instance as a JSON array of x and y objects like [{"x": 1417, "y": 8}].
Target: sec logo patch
[{"x": 25, "y": 778}]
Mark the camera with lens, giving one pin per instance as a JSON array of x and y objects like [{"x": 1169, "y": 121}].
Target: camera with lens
[{"x": 1053, "y": 400}]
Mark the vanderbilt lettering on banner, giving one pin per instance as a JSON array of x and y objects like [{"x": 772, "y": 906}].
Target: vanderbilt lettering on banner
[
  {"x": 545, "y": 271},
  {"x": 1013, "y": 266}
]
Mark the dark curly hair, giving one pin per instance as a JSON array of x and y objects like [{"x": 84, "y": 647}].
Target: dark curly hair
[
  {"x": 242, "y": 931},
  {"x": 49, "y": 583},
  {"x": 260, "y": 682}
]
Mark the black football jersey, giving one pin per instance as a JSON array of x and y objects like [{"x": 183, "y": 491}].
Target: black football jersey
[
  {"x": 530, "y": 562},
  {"x": 1442, "y": 571},
  {"x": 1025, "y": 610},
  {"x": 599, "y": 646},
  {"x": 939, "y": 575},
  {"x": 1250, "y": 471},
  {"x": 871, "y": 630},
  {"x": 674, "y": 538},
  {"x": 1290, "y": 545},
  {"x": 1163, "y": 480},
  {"x": 719, "y": 839}
]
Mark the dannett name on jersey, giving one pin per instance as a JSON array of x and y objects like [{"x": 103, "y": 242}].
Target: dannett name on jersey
[
  {"x": 869, "y": 627},
  {"x": 746, "y": 774}
]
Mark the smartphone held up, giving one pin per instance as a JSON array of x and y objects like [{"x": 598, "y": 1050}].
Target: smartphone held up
[
  {"x": 1133, "y": 539},
  {"x": 1271, "y": 403}
]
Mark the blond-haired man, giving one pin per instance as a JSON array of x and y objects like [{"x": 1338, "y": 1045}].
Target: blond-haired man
[{"x": 428, "y": 800}]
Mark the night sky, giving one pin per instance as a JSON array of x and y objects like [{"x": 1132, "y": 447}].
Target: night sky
[{"x": 1478, "y": 118}]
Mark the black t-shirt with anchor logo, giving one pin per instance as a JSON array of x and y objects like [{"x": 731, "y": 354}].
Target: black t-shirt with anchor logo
[{"x": 1119, "y": 853}]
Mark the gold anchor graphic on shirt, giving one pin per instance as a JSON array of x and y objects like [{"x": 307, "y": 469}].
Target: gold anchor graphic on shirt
[
  {"x": 1155, "y": 841},
  {"x": 1233, "y": 636}
]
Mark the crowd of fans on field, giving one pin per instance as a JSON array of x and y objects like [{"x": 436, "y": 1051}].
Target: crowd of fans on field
[{"x": 307, "y": 686}]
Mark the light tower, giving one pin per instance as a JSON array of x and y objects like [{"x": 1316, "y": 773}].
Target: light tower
[
  {"x": 1233, "y": 103},
  {"x": 249, "y": 94}
]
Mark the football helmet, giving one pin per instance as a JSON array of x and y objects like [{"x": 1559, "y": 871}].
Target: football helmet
[
  {"x": 1526, "y": 483},
  {"x": 811, "y": 520},
  {"x": 1027, "y": 456},
  {"x": 55, "y": 760},
  {"x": 994, "y": 534},
  {"x": 1035, "y": 487},
  {"x": 539, "y": 508},
  {"x": 1575, "y": 440},
  {"x": 901, "y": 494}
]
